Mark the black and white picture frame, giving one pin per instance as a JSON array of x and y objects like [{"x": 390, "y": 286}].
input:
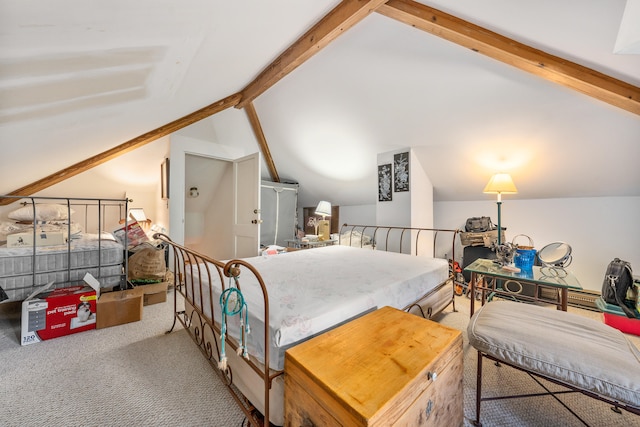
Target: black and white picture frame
[
  {"x": 384, "y": 183},
  {"x": 164, "y": 179},
  {"x": 401, "y": 172}
]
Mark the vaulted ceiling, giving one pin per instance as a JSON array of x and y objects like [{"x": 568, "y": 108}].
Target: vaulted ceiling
[{"x": 79, "y": 78}]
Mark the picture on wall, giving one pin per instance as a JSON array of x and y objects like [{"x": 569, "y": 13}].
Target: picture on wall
[
  {"x": 401, "y": 172},
  {"x": 384, "y": 183},
  {"x": 164, "y": 179}
]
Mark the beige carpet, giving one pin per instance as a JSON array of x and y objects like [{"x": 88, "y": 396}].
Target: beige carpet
[
  {"x": 128, "y": 375},
  {"x": 135, "y": 375}
]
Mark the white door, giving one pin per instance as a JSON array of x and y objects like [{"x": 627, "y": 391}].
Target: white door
[{"x": 246, "y": 213}]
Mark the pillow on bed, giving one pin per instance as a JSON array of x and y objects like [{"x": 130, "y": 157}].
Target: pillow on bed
[
  {"x": 355, "y": 238},
  {"x": 44, "y": 212}
]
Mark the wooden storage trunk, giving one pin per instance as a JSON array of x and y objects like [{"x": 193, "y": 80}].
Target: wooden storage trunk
[{"x": 386, "y": 368}]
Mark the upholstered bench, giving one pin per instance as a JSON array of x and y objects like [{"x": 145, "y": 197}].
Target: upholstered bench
[{"x": 579, "y": 353}]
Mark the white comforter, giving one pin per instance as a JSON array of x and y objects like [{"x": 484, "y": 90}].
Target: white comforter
[{"x": 313, "y": 290}]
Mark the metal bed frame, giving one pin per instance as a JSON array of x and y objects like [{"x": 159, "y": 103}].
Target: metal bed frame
[
  {"x": 206, "y": 332},
  {"x": 101, "y": 205}
]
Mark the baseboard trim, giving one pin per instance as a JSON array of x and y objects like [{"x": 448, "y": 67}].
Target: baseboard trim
[{"x": 585, "y": 299}]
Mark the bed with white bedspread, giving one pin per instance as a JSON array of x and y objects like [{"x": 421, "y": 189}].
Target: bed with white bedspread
[
  {"x": 292, "y": 297},
  {"x": 311, "y": 298}
]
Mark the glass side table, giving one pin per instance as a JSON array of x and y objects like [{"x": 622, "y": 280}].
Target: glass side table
[{"x": 550, "y": 284}]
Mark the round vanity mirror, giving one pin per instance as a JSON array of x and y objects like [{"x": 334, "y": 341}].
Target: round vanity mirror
[{"x": 556, "y": 254}]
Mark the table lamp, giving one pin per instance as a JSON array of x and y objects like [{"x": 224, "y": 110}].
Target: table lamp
[
  {"x": 324, "y": 227},
  {"x": 500, "y": 183},
  {"x": 140, "y": 217}
]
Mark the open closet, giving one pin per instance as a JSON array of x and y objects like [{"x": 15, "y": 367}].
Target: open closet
[{"x": 278, "y": 208}]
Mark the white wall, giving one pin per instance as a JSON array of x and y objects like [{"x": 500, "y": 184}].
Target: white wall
[
  {"x": 217, "y": 239},
  {"x": 358, "y": 215},
  {"x": 598, "y": 229},
  {"x": 421, "y": 194},
  {"x": 135, "y": 174}
]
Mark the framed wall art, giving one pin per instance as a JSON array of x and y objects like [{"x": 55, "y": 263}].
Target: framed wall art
[
  {"x": 164, "y": 179},
  {"x": 401, "y": 172},
  {"x": 384, "y": 183}
]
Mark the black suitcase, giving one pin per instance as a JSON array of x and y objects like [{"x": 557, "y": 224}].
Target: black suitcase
[{"x": 472, "y": 253}]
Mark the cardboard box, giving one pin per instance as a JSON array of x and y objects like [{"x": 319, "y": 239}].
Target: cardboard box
[
  {"x": 119, "y": 307},
  {"x": 25, "y": 239},
  {"x": 51, "y": 313},
  {"x": 154, "y": 293}
]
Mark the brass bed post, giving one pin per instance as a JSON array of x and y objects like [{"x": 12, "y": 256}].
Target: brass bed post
[
  {"x": 232, "y": 269},
  {"x": 199, "y": 325}
]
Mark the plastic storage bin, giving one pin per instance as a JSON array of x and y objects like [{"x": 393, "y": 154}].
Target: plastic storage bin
[{"x": 614, "y": 316}]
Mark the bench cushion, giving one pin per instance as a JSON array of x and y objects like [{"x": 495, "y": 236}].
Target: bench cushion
[{"x": 573, "y": 349}]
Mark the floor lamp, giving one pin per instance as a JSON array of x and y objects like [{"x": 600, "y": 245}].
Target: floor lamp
[{"x": 500, "y": 183}]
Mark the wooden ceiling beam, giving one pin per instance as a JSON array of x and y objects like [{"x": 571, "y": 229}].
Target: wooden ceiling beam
[
  {"x": 337, "y": 21},
  {"x": 130, "y": 145},
  {"x": 262, "y": 141},
  {"x": 509, "y": 51}
]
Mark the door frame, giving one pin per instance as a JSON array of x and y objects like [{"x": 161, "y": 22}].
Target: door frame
[{"x": 180, "y": 146}]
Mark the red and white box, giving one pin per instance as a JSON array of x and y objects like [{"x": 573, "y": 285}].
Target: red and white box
[{"x": 52, "y": 313}]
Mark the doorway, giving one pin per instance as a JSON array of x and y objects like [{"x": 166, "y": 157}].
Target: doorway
[
  {"x": 224, "y": 183},
  {"x": 208, "y": 207}
]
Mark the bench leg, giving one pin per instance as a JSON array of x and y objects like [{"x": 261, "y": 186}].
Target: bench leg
[{"x": 477, "y": 422}]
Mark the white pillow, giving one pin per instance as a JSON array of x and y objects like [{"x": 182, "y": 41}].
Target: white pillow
[
  {"x": 355, "y": 238},
  {"x": 44, "y": 212}
]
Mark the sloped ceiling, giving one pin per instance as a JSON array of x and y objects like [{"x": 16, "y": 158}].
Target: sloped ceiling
[{"x": 78, "y": 78}]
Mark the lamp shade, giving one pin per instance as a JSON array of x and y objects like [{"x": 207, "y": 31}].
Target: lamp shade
[
  {"x": 500, "y": 183},
  {"x": 324, "y": 209},
  {"x": 138, "y": 214}
]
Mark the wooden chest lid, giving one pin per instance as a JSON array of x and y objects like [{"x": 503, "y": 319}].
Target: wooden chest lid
[{"x": 367, "y": 363}]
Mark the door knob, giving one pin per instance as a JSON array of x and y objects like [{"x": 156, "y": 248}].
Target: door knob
[{"x": 256, "y": 221}]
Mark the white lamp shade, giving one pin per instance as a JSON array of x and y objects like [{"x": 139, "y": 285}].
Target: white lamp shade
[
  {"x": 138, "y": 214},
  {"x": 324, "y": 209},
  {"x": 500, "y": 183}
]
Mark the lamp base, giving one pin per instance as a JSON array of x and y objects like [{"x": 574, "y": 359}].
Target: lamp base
[{"x": 324, "y": 230}]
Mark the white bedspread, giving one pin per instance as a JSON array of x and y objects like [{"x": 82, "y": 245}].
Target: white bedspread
[{"x": 313, "y": 290}]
